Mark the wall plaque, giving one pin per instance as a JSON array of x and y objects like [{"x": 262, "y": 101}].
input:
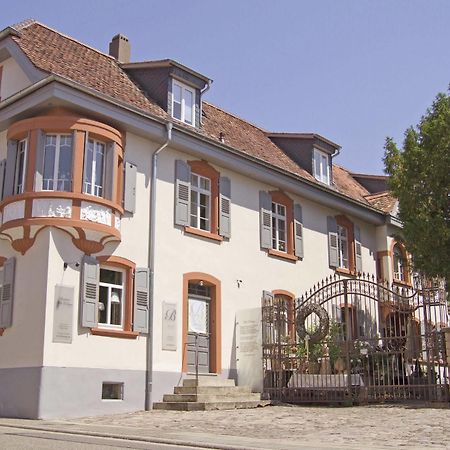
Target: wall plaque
[
  {"x": 169, "y": 326},
  {"x": 63, "y": 314}
]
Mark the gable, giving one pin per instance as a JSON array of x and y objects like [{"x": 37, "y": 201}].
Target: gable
[{"x": 13, "y": 79}]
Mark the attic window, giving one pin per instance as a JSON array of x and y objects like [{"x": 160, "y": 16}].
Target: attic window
[
  {"x": 183, "y": 103},
  {"x": 321, "y": 166}
]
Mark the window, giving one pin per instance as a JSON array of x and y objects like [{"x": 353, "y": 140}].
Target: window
[
  {"x": 343, "y": 247},
  {"x": 57, "y": 162},
  {"x": 200, "y": 207},
  {"x": 111, "y": 297},
  {"x": 19, "y": 176},
  {"x": 400, "y": 263},
  {"x": 112, "y": 391},
  {"x": 94, "y": 168},
  {"x": 279, "y": 229},
  {"x": 183, "y": 103},
  {"x": 321, "y": 167}
]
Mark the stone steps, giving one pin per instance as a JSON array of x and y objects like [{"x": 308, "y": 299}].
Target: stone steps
[{"x": 208, "y": 393}]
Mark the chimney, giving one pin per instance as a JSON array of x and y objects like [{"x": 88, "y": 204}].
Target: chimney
[{"x": 119, "y": 48}]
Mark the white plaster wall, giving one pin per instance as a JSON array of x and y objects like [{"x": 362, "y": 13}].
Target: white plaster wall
[
  {"x": 13, "y": 79},
  {"x": 237, "y": 259},
  {"x": 22, "y": 344}
]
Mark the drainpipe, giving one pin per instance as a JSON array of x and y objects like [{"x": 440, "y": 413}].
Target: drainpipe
[
  {"x": 151, "y": 265},
  {"x": 205, "y": 90}
]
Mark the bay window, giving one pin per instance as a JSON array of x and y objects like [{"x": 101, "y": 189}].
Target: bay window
[
  {"x": 94, "y": 168},
  {"x": 111, "y": 297},
  {"x": 21, "y": 157},
  {"x": 57, "y": 162}
]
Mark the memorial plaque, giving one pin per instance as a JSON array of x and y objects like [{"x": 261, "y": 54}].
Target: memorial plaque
[
  {"x": 63, "y": 314},
  {"x": 169, "y": 326},
  {"x": 249, "y": 348}
]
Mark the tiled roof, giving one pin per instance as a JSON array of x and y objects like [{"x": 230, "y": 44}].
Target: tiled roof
[
  {"x": 384, "y": 201},
  {"x": 55, "y": 53}
]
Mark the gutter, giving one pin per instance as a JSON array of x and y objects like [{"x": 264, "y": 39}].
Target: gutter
[
  {"x": 204, "y": 91},
  {"x": 151, "y": 265}
]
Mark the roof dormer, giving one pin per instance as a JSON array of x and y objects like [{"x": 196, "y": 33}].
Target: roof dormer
[
  {"x": 176, "y": 88},
  {"x": 310, "y": 151}
]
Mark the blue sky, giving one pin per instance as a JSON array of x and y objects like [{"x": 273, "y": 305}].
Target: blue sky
[{"x": 354, "y": 71}]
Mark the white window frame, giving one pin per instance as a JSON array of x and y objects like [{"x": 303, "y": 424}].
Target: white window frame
[
  {"x": 184, "y": 88},
  {"x": 322, "y": 160},
  {"x": 196, "y": 214},
  {"x": 343, "y": 243},
  {"x": 110, "y": 286},
  {"x": 276, "y": 216},
  {"x": 94, "y": 187},
  {"x": 19, "y": 178},
  {"x": 399, "y": 264},
  {"x": 56, "y": 163}
]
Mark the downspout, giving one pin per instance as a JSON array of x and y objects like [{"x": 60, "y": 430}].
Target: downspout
[
  {"x": 204, "y": 91},
  {"x": 151, "y": 265}
]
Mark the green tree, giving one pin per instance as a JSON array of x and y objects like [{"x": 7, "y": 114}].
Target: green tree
[{"x": 420, "y": 179}]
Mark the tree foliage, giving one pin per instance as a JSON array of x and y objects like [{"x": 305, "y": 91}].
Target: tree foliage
[{"x": 420, "y": 179}]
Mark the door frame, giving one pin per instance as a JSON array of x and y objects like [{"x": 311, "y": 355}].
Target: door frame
[{"x": 215, "y": 311}]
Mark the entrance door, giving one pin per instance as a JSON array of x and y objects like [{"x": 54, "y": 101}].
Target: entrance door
[{"x": 198, "y": 339}]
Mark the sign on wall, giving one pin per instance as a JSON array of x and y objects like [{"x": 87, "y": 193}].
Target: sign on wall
[
  {"x": 249, "y": 348},
  {"x": 63, "y": 314},
  {"x": 169, "y": 326}
]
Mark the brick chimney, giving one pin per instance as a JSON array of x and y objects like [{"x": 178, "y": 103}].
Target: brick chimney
[{"x": 119, "y": 48}]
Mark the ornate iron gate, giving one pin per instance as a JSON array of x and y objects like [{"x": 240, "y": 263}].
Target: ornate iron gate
[{"x": 356, "y": 340}]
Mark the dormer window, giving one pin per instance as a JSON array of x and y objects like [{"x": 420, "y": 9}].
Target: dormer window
[
  {"x": 321, "y": 167},
  {"x": 183, "y": 103}
]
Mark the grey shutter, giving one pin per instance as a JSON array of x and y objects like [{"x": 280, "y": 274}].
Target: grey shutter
[
  {"x": 7, "y": 293},
  {"x": 298, "y": 230},
  {"x": 358, "y": 250},
  {"x": 182, "y": 192},
  {"x": 336, "y": 313},
  {"x": 89, "y": 291},
  {"x": 333, "y": 257},
  {"x": 141, "y": 300},
  {"x": 11, "y": 156},
  {"x": 40, "y": 151},
  {"x": 129, "y": 193},
  {"x": 2, "y": 176},
  {"x": 224, "y": 207},
  {"x": 265, "y": 212},
  {"x": 110, "y": 180}
]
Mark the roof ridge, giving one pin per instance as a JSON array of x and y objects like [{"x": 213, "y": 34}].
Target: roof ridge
[
  {"x": 70, "y": 38},
  {"x": 237, "y": 117},
  {"x": 378, "y": 194},
  {"x": 24, "y": 24}
]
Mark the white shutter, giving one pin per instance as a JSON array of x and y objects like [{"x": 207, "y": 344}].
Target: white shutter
[
  {"x": 298, "y": 230},
  {"x": 358, "y": 249},
  {"x": 333, "y": 256},
  {"x": 129, "y": 194}
]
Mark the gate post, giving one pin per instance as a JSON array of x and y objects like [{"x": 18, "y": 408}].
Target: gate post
[{"x": 348, "y": 336}]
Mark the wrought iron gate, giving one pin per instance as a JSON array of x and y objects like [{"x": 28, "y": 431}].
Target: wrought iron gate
[{"x": 356, "y": 340}]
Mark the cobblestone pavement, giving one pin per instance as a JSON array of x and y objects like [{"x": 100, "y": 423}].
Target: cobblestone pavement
[{"x": 366, "y": 427}]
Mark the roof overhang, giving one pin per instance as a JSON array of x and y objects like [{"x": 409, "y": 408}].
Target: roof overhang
[{"x": 304, "y": 136}]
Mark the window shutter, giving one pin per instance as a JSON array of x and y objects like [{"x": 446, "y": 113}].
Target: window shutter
[
  {"x": 129, "y": 194},
  {"x": 358, "y": 250},
  {"x": 7, "y": 293},
  {"x": 332, "y": 242},
  {"x": 224, "y": 207},
  {"x": 40, "y": 150},
  {"x": 265, "y": 208},
  {"x": 182, "y": 192},
  {"x": 89, "y": 291},
  {"x": 298, "y": 230},
  {"x": 141, "y": 300},
  {"x": 8, "y": 186},
  {"x": 360, "y": 318},
  {"x": 336, "y": 313},
  {"x": 2, "y": 176},
  {"x": 110, "y": 180}
]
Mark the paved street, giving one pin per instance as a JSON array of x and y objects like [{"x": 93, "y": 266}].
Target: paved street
[{"x": 274, "y": 427}]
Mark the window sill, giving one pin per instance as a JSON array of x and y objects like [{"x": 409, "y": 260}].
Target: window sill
[
  {"x": 114, "y": 333},
  {"x": 203, "y": 233},
  {"x": 344, "y": 271},
  {"x": 402, "y": 283},
  {"x": 282, "y": 255}
]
